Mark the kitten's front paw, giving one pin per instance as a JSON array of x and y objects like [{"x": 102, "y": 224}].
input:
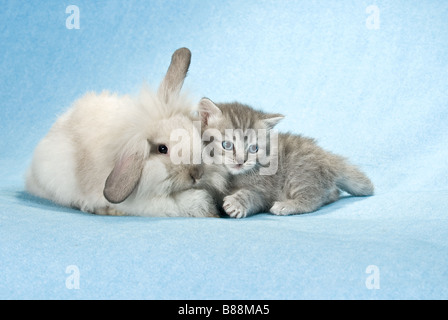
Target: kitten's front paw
[
  {"x": 234, "y": 208},
  {"x": 108, "y": 211},
  {"x": 283, "y": 208}
]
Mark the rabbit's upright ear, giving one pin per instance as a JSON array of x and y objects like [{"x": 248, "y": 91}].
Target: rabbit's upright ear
[
  {"x": 175, "y": 76},
  {"x": 124, "y": 178}
]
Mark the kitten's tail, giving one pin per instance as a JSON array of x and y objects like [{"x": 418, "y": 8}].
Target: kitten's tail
[{"x": 352, "y": 180}]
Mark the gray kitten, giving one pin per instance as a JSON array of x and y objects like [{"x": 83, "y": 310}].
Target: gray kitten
[{"x": 279, "y": 173}]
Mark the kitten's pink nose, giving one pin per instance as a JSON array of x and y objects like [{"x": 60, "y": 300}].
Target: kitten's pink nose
[{"x": 240, "y": 161}]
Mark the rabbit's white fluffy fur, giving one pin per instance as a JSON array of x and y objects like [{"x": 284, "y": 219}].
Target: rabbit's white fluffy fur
[{"x": 101, "y": 155}]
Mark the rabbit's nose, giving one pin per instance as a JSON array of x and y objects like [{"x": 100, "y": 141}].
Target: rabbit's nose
[{"x": 196, "y": 173}]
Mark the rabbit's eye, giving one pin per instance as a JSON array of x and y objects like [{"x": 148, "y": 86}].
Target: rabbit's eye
[
  {"x": 227, "y": 145},
  {"x": 253, "y": 148},
  {"x": 162, "y": 149}
]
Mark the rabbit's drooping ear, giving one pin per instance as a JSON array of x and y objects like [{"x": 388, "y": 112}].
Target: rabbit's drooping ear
[
  {"x": 124, "y": 178},
  {"x": 175, "y": 76},
  {"x": 208, "y": 110}
]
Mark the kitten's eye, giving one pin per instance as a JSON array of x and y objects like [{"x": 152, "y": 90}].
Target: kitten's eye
[
  {"x": 227, "y": 145},
  {"x": 162, "y": 149},
  {"x": 253, "y": 148}
]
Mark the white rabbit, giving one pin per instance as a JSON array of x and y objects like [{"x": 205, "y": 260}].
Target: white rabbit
[{"x": 110, "y": 154}]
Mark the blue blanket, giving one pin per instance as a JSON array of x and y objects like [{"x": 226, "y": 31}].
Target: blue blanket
[{"x": 367, "y": 79}]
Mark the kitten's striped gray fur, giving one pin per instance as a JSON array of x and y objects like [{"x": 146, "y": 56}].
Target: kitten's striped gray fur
[{"x": 307, "y": 177}]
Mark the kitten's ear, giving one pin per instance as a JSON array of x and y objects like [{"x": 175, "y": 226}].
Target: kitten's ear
[
  {"x": 272, "y": 119},
  {"x": 208, "y": 110}
]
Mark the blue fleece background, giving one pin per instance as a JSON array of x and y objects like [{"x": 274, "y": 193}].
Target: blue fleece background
[{"x": 377, "y": 96}]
